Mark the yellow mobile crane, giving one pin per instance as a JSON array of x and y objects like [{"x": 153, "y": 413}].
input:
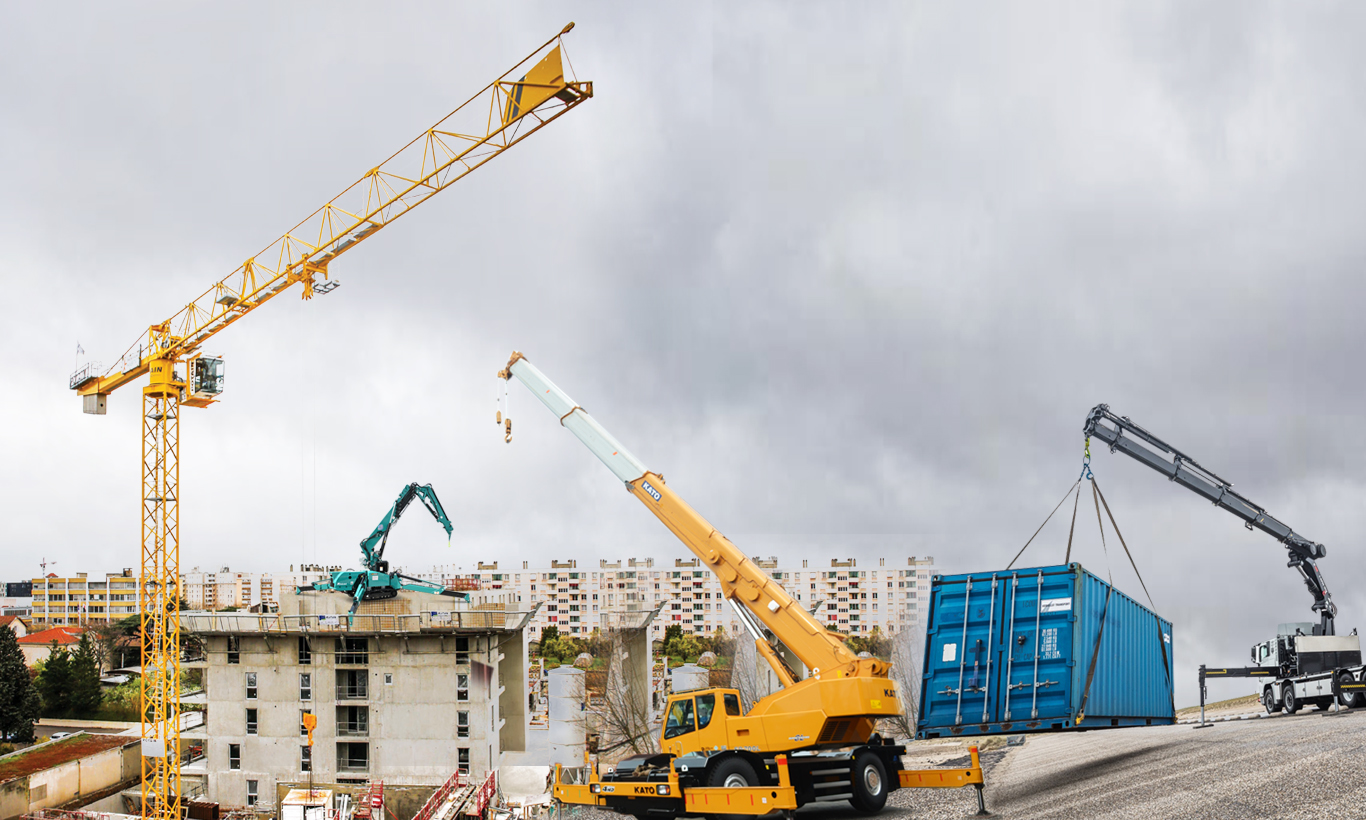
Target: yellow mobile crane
[
  {"x": 812, "y": 741},
  {"x": 520, "y": 102}
]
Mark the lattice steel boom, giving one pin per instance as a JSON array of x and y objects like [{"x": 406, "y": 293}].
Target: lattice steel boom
[{"x": 503, "y": 113}]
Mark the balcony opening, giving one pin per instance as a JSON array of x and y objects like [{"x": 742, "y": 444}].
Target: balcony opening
[
  {"x": 353, "y": 758},
  {"x": 353, "y": 721}
]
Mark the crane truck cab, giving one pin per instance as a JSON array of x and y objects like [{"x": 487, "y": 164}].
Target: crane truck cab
[{"x": 1311, "y": 668}]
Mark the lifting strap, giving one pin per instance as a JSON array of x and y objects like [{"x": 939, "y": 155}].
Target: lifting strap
[
  {"x": 1045, "y": 522},
  {"x": 1067, "y": 559},
  {"x": 1121, "y": 543},
  {"x": 1161, "y": 641},
  {"x": 1095, "y": 653}
]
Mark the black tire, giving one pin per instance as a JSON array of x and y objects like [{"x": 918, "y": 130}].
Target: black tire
[
  {"x": 1269, "y": 701},
  {"x": 1292, "y": 703},
  {"x": 732, "y": 773},
  {"x": 870, "y": 783},
  {"x": 1350, "y": 700}
]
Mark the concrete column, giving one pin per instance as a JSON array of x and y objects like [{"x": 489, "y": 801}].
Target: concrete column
[{"x": 512, "y": 702}]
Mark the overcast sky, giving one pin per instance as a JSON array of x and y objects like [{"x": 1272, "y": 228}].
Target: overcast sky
[{"x": 849, "y": 276}]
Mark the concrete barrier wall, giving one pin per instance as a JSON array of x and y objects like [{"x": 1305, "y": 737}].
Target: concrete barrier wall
[
  {"x": 62, "y": 784},
  {"x": 13, "y": 799}
]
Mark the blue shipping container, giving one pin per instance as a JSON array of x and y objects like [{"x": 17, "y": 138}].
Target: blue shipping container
[{"x": 1043, "y": 649}]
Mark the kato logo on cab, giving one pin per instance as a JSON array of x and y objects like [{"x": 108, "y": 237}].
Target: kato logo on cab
[{"x": 651, "y": 491}]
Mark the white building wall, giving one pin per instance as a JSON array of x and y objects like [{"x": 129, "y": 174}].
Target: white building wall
[{"x": 884, "y": 592}]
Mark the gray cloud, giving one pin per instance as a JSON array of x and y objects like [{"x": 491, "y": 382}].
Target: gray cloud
[{"x": 850, "y": 278}]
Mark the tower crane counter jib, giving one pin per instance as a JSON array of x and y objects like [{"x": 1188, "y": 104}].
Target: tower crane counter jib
[{"x": 814, "y": 740}]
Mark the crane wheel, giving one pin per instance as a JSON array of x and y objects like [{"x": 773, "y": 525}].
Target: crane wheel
[
  {"x": 870, "y": 783},
  {"x": 1350, "y": 700},
  {"x": 1288, "y": 697},
  {"x": 1269, "y": 701},
  {"x": 733, "y": 773}
]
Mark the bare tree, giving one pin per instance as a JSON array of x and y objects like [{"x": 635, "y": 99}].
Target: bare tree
[
  {"x": 908, "y": 652},
  {"x": 622, "y": 714},
  {"x": 744, "y": 674}
]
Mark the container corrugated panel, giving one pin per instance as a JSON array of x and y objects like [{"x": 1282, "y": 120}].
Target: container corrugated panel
[{"x": 1023, "y": 650}]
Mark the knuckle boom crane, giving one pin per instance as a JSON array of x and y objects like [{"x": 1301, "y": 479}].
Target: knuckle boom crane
[
  {"x": 814, "y": 740},
  {"x": 1306, "y": 663}
]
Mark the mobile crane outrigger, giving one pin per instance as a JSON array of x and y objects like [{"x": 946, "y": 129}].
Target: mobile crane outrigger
[
  {"x": 814, "y": 740},
  {"x": 1305, "y": 663}
]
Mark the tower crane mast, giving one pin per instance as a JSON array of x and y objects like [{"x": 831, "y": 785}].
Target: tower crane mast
[{"x": 170, "y": 353}]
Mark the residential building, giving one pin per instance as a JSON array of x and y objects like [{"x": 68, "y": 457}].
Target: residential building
[
  {"x": 883, "y": 593},
  {"x": 16, "y": 624},
  {"x": 37, "y": 646},
  {"x": 409, "y": 690},
  {"x": 80, "y": 600}
]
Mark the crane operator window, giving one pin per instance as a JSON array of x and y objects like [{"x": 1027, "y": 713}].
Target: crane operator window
[
  {"x": 732, "y": 704},
  {"x": 706, "y": 704},
  {"x": 680, "y": 719}
]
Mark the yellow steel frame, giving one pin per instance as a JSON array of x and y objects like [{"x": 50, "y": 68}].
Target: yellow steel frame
[
  {"x": 159, "y": 598},
  {"x": 748, "y": 800},
  {"x": 524, "y": 99},
  {"x": 484, "y": 126}
]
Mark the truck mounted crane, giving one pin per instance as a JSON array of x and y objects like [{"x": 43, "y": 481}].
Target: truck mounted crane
[
  {"x": 1306, "y": 663},
  {"x": 375, "y": 582},
  {"x": 521, "y": 101},
  {"x": 812, "y": 741}
]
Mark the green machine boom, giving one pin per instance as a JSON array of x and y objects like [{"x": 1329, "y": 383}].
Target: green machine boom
[{"x": 375, "y": 582}]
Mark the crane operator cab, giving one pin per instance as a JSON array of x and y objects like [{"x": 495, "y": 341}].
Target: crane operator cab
[{"x": 701, "y": 717}]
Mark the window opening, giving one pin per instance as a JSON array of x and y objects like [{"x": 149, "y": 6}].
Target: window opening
[{"x": 680, "y": 720}]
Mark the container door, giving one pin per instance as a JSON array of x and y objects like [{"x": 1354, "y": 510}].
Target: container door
[
  {"x": 962, "y": 652},
  {"x": 1038, "y": 664}
]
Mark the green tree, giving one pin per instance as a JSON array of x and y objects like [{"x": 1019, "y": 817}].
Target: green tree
[
  {"x": 19, "y": 702},
  {"x": 549, "y": 634},
  {"x": 672, "y": 631},
  {"x": 85, "y": 693},
  {"x": 54, "y": 683},
  {"x": 685, "y": 647}
]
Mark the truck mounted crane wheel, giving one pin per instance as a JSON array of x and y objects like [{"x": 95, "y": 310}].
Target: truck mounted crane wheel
[
  {"x": 1292, "y": 703},
  {"x": 870, "y": 783},
  {"x": 733, "y": 773},
  {"x": 1269, "y": 701},
  {"x": 1349, "y": 699}
]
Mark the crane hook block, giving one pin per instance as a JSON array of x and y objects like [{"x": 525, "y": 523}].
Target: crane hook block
[
  {"x": 499, "y": 418},
  {"x": 507, "y": 428}
]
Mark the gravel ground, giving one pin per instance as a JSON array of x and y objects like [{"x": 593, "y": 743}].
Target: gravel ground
[{"x": 1287, "y": 767}]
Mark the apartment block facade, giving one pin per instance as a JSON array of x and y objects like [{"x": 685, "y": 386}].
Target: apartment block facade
[
  {"x": 886, "y": 593},
  {"x": 81, "y": 600}
]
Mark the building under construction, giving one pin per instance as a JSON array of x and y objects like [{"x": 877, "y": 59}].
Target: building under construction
[{"x": 407, "y": 690}]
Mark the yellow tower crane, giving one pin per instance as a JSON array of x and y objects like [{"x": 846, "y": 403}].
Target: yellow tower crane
[{"x": 524, "y": 99}]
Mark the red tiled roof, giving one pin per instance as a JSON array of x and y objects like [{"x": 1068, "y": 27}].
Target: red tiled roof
[
  {"x": 6, "y": 620},
  {"x": 62, "y": 634}
]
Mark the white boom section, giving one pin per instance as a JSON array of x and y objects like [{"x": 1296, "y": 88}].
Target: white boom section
[{"x": 573, "y": 417}]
